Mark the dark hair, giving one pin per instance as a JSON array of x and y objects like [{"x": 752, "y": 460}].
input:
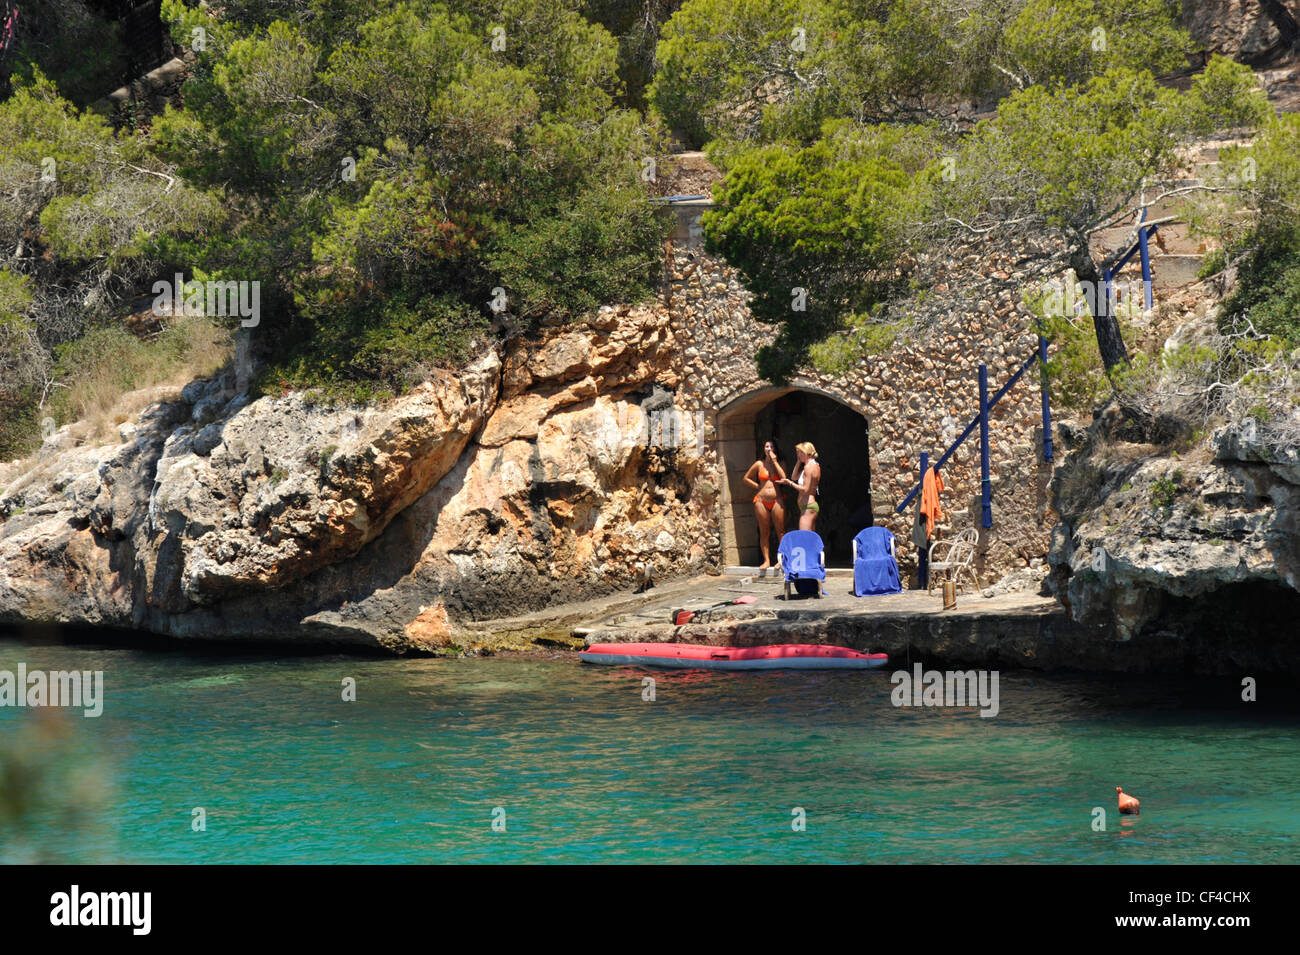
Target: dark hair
[{"x": 776, "y": 449}]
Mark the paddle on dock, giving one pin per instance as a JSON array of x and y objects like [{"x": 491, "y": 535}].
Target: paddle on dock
[{"x": 686, "y": 616}]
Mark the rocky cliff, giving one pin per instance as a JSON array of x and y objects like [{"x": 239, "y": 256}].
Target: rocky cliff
[
  {"x": 1199, "y": 546},
  {"x": 1241, "y": 29},
  {"x": 587, "y": 462},
  {"x": 525, "y": 480}
]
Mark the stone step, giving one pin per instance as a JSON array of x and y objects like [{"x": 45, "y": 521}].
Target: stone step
[
  {"x": 1212, "y": 151},
  {"x": 1174, "y": 271},
  {"x": 774, "y": 575},
  {"x": 1175, "y": 238}
]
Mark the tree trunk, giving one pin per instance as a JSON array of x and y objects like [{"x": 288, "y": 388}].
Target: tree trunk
[
  {"x": 1110, "y": 341},
  {"x": 1283, "y": 19}
]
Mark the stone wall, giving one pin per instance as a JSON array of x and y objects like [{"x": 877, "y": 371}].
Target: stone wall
[{"x": 917, "y": 396}]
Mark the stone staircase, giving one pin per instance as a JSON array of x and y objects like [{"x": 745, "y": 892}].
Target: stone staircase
[{"x": 1176, "y": 254}]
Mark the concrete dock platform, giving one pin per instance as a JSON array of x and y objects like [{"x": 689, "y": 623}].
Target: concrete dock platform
[{"x": 1019, "y": 629}]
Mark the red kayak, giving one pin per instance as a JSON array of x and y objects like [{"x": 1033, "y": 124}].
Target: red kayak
[{"x": 786, "y": 656}]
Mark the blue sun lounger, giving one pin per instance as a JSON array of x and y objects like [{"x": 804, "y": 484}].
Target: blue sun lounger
[
  {"x": 802, "y": 559},
  {"x": 875, "y": 566}
]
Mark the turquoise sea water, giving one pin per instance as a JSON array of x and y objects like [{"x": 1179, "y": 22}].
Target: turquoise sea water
[{"x": 585, "y": 770}]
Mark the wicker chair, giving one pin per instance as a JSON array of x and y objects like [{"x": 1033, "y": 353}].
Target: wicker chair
[{"x": 956, "y": 558}]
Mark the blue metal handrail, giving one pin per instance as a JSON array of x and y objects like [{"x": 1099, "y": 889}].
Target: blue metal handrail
[
  {"x": 1039, "y": 354},
  {"x": 981, "y": 419},
  {"x": 1141, "y": 247}
]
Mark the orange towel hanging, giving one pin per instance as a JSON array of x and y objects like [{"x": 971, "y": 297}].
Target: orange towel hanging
[{"x": 931, "y": 486}]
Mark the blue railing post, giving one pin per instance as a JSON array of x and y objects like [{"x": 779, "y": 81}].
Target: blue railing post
[
  {"x": 1145, "y": 254},
  {"x": 923, "y": 558},
  {"x": 1143, "y": 251},
  {"x": 970, "y": 428},
  {"x": 1045, "y": 391},
  {"x": 986, "y": 489}
]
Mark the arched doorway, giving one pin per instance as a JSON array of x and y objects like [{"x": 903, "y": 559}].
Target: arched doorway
[{"x": 792, "y": 416}]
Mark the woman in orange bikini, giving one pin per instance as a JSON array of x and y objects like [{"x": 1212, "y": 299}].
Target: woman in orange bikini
[{"x": 763, "y": 477}]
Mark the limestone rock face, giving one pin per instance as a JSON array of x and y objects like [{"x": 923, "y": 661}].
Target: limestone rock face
[
  {"x": 1234, "y": 28},
  {"x": 528, "y": 478},
  {"x": 291, "y": 489},
  {"x": 1208, "y": 539}
]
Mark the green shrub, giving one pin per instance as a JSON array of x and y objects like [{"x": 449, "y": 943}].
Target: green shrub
[
  {"x": 75, "y": 44},
  {"x": 582, "y": 255},
  {"x": 816, "y": 234},
  {"x": 390, "y": 170},
  {"x": 729, "y": 69},
  {"x": 20, "y": 423},
  {"x": 1268, "y": 293},
  {"x": 1212, "y": 264},
  {"x": 1163, "y": 492},
  {"x": 374, "y": 350},
  {"x": 839, "y": 353}
]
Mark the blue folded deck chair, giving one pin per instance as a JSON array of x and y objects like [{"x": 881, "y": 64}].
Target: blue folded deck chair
[
  {"x": 875, "y": 566},
  {"x": 802, "y": 559}
]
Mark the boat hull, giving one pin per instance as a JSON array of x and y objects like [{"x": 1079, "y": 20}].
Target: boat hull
[{"x": 687, "y": 656}]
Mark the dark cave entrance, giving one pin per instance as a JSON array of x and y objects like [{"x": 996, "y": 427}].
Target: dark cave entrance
[{"x": 793, "y": 416}]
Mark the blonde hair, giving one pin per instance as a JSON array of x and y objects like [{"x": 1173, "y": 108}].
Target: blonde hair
[{"x": 807, "y": 448}]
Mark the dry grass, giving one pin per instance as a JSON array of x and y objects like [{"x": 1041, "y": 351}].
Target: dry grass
[
  {"x": 1109, "y": 450},
  {"x": 111, "y": 386},
  {"x": 111, "y": 376},
  {"x": 1078, "y": 486}
]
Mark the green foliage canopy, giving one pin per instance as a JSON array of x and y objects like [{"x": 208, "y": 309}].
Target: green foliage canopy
[
  {"x": 761, "y": 71},
  {"x": 816, "y": 232},
  {"x": 84, "y": 216},
  {"x": 391, "y": 177}
]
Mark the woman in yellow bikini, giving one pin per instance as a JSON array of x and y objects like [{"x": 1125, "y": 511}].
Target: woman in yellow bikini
[
  {"x": 763, "y": 476},
  {"x": 806, "y": 478}
]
